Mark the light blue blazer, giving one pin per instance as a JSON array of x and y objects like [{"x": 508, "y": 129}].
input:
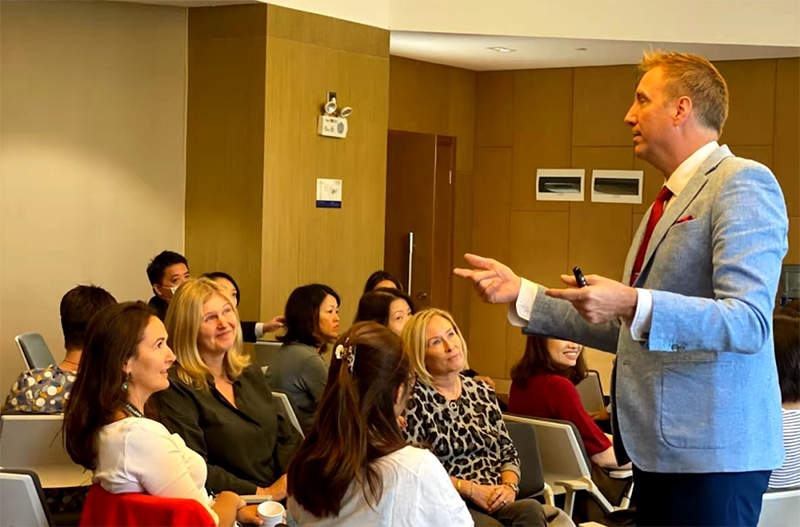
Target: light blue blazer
[{"x": 701, "y": 394}]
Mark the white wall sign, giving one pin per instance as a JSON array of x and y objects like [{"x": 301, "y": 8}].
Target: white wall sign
[
  {"x": 329, "y": 193},
  {"x": 617, "y": 186},
  {"x": 558, "y": 184}
]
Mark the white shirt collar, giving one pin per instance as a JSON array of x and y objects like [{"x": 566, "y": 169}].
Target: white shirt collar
[{"x": 678, "y": 180}]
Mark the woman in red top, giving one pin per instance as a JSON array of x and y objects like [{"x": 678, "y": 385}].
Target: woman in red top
[{"x": 544, "y": 386}]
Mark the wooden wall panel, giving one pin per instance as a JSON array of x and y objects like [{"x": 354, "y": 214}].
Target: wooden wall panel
[
  {"x": 599, "y": 237},
  {"x": 494, "y": 110},
  {"x": 225, "y": 145},
  {"x": 762, "y": 154},
  {"x": 786, "y": 155},
  {"x": 601, "y": 98},
  {"x": 542, "y": 136},
  {"x": 793, "y": 255},
  {"x": 751, "y": 85},
  {"x": 461, "y": 118},
  {"x": 301, "y": 243},
  {"x": 491, "y": 197},
  {"x": 462, "y": 243},
  {"x": 487, "y": 338},
  {"x": 419, "y": 96}
]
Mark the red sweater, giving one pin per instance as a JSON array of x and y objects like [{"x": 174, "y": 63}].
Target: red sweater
[{"x": 552, "y": 396}]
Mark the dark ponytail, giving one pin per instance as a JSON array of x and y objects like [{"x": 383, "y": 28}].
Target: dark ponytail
[{"x": 355, "y": 424}]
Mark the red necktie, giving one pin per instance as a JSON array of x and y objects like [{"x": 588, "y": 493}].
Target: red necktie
[{"x": 652, "y": 221}]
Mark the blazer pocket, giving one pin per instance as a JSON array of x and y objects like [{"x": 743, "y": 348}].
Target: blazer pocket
[{"x": 699, "y": 404}]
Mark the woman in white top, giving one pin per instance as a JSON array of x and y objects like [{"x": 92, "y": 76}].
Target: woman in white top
[
  {"x": 786, "y": 332},
  {"x": 356, "y": 453},
  {"x": 125, "y": 360}
]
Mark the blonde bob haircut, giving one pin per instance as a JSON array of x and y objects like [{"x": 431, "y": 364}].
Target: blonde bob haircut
[
  {"x": 184, "y": 316},
  {"x": 415, "y": 336}
]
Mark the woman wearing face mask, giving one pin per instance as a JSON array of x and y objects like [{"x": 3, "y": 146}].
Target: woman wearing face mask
[
  {"x": 356, "y": 453},
  {"x": 125, "y": 360},
  {"x": 389, "y": 307},
  {"x": 544, "y": 386},
  {"x": 298, "y": 370},
  {"x": 218, "y": 402}
]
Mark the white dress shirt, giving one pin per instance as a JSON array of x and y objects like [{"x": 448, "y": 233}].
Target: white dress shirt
[{"x": 640, "y": 326}]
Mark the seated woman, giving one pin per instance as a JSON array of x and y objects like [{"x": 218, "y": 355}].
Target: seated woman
[
  {"x": 786, "y": 331},
  {"x": 298, "y": 370},
  {"x": 544, "y": 386},
  {"x": 381, "y": 279},
  {"x": 251, "y": 331},
  {"x": 218, "y": 402},
  {"x": 460, "y": 419},
  {"x": 389, "y": 307},
  {"x": 125, "y": 360},
  {"x": 356, "y": 452}
]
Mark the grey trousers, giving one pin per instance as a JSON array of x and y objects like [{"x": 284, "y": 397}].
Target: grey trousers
[{"x": 521, "y": 513}]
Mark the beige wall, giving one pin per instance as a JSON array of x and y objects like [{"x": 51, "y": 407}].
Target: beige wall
[
  {"x": 561, "y": 118},
  {"x": 92, "y": 163}
]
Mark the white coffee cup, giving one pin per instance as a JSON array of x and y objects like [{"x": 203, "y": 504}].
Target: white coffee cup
[{"x": 271, "y": 512}]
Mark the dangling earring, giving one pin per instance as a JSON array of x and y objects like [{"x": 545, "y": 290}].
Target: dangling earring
[{"x": 125, "y": 384}]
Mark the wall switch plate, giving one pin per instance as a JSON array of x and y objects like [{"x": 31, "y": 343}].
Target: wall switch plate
[{"x": 330, "y": 126}]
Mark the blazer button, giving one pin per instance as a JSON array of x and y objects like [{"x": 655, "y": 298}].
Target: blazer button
[{"x": 678, "y": 347}]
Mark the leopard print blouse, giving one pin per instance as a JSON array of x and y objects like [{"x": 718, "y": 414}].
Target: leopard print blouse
[{"x": 468, "y": 435}]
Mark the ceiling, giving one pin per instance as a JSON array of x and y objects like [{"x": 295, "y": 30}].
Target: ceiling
[{"x": 470, "y": 51}]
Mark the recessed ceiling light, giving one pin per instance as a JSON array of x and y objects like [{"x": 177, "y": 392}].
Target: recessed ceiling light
[
  {"x": 581, "y": 49},
  {"x": 501, "y": 49}
]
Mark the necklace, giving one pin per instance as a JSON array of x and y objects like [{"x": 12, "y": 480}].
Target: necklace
[{"x": 132, "y": 410}]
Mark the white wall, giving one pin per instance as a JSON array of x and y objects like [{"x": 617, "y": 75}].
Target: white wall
[{"x": 92, "y": 125}]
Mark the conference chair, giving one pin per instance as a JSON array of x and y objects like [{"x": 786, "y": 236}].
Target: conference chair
[
  {"x": 287, "y": 406},
  {"x": 103, "y": 509},
  {"x": 532, "y": 484},
  {"x": 22, "y": 501},
  {"x": 265, "y": 352},
  {"x": 780, "y": 508},
  {"x": 591, "y": 393},
  {"x": 567, "y": 469},
  {"x": 34, "y": 350},
  {"x": 34, "y": 442}
]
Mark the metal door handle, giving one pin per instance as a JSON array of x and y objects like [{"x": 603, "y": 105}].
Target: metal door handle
[
  {"x": 422, "y": 296},
  {"x": 410, "y": 259}
]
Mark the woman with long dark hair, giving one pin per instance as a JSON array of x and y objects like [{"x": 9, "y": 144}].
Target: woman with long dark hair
[
  {"x": 298, "y": 369},
  {"x": 356, "y": 452},
  {"x": 389, "y": 307},
  {"x": 107, "y": 425},
  {"x": 543, "y": 385}
]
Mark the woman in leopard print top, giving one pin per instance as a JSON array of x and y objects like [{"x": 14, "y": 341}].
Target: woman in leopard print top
[{"x": 460, "y": 420}]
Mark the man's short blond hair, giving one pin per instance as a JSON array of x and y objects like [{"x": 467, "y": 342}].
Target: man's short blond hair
[{"x": 692, "y": 76}]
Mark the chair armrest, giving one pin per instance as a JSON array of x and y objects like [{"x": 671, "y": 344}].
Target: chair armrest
[
  {"x": 572, "y": 484},
  {"x": 255, "y": 499},
  {"x": 620, "y": 474}
]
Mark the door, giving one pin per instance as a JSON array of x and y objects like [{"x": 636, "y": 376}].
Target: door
[{"x": 419, "y": 207}]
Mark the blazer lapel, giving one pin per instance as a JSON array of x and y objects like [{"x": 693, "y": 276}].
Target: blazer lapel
[{"x": 684, "y": 199}]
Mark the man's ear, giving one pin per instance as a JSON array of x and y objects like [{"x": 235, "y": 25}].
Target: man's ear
[{"x": 682, "y": 109}]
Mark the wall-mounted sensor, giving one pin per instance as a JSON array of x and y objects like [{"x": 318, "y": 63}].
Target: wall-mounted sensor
[
  {"x": 330, "y": 106},
  {"x": 346, "y": 112}
]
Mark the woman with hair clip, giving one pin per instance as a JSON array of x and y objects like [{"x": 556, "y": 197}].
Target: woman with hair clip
[
  {"x": 543, "y": 385},
  {"x": 219, "y": 402},
  {"x": 356, "y": 453},
  {"x": 106, "y": 425}
]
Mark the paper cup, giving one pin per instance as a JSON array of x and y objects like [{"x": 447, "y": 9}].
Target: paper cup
[{"x": 271, "y": 512}]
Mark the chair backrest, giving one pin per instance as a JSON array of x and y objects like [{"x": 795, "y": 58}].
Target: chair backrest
[
  {"x": 780, "y": 508},
  {"x": 34, "y": 442},
  {"x": 524, "y": 437},
  {"x": 287, "y": 406},
  {"x": 103, "y": 509},
  {"x": 561, "y": 450},
  {"x": 22, "y": 502},
  {"x": 35, "y": 351},
  {"x": 591, "y": 392},
  {"x": 266, "y": 351}
]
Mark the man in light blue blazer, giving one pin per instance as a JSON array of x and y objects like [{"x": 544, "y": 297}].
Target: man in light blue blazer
[{"x": 695, "y": 394}]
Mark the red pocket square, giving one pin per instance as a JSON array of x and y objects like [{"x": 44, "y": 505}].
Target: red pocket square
[{"x": 685, "y": 219}]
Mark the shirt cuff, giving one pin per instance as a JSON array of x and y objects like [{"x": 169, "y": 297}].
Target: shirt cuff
[
  {"x": 520, "y": 312},
  {"x": 640, "y": 326},
  {"x": 259, "y": 330}
]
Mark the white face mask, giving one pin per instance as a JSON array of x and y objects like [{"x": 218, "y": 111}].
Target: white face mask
[{"x": 173, "y": 289}]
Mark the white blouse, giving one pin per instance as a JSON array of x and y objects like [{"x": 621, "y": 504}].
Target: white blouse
[
  {"x": 416, "y": 493},
  {"x": 140, "y": 455}
]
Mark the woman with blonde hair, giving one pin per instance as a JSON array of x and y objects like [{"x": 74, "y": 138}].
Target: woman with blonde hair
[
  {"x": 459, "y": 418},
  {"x": 220, "y": 403}
]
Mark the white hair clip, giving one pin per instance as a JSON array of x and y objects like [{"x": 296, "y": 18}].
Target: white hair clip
[{"x": 348, "y": 354}]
